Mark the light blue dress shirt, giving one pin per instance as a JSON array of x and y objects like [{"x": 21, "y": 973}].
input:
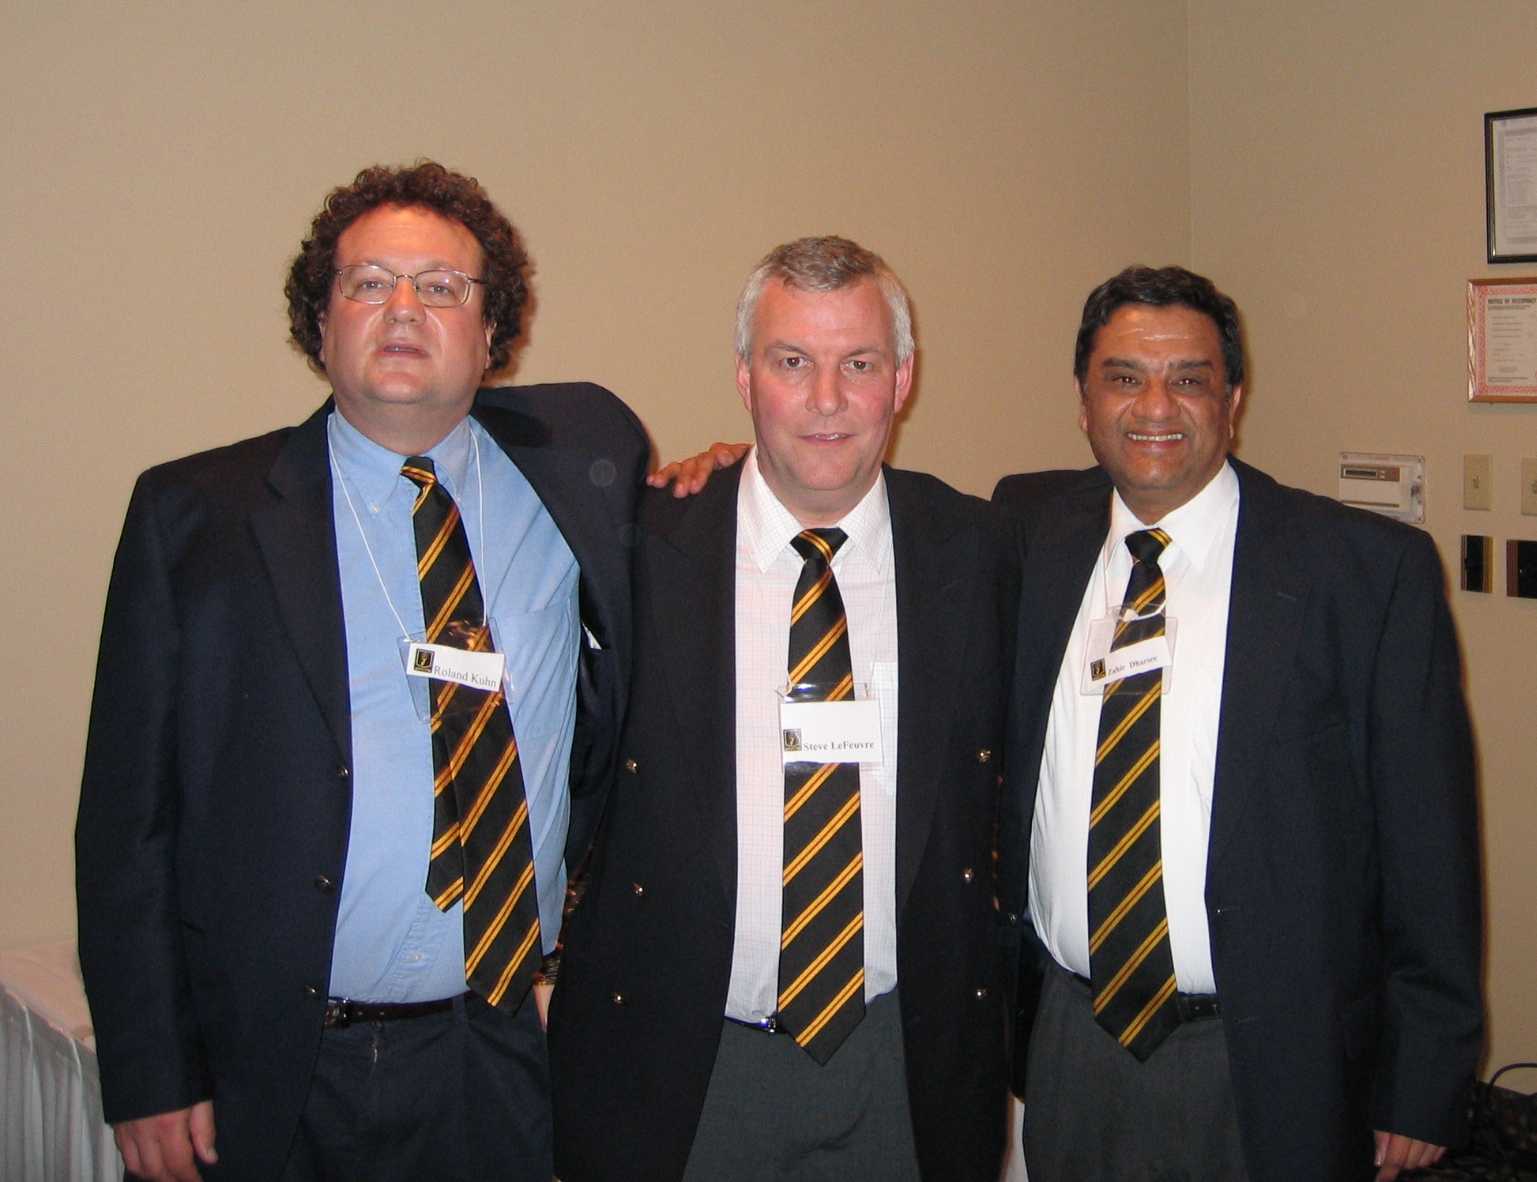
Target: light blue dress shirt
[{"x": 392, "y": 944}]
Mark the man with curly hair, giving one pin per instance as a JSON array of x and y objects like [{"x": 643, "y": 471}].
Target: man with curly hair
[{"x": 355, "y": 708}]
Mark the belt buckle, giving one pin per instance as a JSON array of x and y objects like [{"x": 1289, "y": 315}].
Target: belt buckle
[{"x": 341, "y": 1013}]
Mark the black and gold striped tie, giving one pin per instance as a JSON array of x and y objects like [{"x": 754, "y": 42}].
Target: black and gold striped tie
[
  {"x": 481, "y": 850},
  {"x": 822, "y": 946},
  {"x": 1130, "y": 962}
]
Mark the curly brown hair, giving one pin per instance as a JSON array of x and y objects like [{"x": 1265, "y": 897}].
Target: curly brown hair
[{"x": 428, "y": 185}]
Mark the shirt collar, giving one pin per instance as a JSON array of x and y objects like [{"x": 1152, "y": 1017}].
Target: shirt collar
[
  {"x": 374, "y": 470},
  {"x": 1193, "y": 528},
  {"x": 767, "y": 526}
]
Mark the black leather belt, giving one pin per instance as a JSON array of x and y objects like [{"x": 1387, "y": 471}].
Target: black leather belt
[
  {"x": 342, "y": 1012},
  {"x": 1192, "y": 1007}
]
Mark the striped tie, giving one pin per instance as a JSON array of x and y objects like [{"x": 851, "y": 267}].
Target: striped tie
[
  {"x": 1130, "y": 962},
  {"x": 822, "y": 947},
  {"x": 481, "y": 852}
]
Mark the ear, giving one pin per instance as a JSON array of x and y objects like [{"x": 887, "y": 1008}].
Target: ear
[
  {"x": 320, "y": 324},
  {"x": 490, "y": 332},
  {"x": 1235, "y": 400},
  {"x": 904, "y": 382},
  {"x": 744, "y": 383},
  {"x": 1083, "y": 408}
]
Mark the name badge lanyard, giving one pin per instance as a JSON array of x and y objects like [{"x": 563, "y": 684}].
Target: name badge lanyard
[
  {"x": 407, "y": 645},
  {"x": 1104, "y": 665}
]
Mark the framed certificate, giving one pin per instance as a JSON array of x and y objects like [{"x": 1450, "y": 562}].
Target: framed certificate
[
  {"x": 1510, "y": 185},
  {"x": 1502, "y": 340}
]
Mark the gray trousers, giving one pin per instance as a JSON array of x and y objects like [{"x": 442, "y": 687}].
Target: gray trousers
[
  {"x": 773, "y": 1115},
  {"x": 1093, "y": 1113}
]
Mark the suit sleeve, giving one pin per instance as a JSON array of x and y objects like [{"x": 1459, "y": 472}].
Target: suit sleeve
[
  {"x": 125, "y": 840},
  {"x": 1421, "y": 772}
]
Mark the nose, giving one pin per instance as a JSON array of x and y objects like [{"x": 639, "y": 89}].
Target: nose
[
  {"x": 826, "y": 395},
  {"x": 404, "y": 303},
  {"x": 1156, "y": 400}
]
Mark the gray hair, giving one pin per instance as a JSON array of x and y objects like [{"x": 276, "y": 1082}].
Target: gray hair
[{"x": 824, "y": 264}]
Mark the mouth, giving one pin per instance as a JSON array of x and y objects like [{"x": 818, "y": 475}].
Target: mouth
[
  {"x": 401, "y": 349},
  {"x": 1155, "y": 436},
  {"x": 826, "y": 436}
]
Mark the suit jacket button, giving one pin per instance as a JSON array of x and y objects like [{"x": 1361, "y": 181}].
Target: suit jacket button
[
  {"x": 617, "y": 998},
  {"x": 312, "y": 991},
  {"x": 1012, "y": 918},
  {"x": 323, "y": 884},
  {"x": 631, "y": 766},
  {"x": 981, "y": 993},
  {"x": 638, "y": 889},
  {"x": 968, "y": 874},
  {"x": 343, "y": 771},
  {"x": 985, "y": 755}
]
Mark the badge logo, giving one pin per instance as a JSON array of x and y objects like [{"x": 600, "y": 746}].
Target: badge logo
[
  {"x": 423, "y": 660},
  {"x": 792, "y": 739}
]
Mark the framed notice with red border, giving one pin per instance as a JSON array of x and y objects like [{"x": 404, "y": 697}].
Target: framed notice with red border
[{"x": 1502, "y": 340}]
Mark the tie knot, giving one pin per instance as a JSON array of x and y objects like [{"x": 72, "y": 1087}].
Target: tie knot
[
  {"x": 419, "y": 470},
  {"x": 1147, "y": 544},
  {"x": 818, "y": 543}
]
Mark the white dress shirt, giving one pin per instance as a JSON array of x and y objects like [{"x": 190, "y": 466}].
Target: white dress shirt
[
  {"x": 1198, "y": 574},
  {"x": 767, "y": 568}
]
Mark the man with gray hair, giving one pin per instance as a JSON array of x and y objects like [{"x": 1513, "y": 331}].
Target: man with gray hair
[{"x": 786, "y": 936}]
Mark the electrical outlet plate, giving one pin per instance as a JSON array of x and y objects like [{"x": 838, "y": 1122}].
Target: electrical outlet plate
[
  {"x": 1477, "y": 562},
  {"x": 1521, "y": 568}
]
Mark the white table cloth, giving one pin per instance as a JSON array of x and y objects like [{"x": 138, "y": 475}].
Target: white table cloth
[{"x": 51, "y": 1128}]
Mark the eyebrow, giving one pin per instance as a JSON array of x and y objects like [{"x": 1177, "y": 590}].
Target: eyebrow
[
  {"x": 1132, "y": 363},
  {"x": 859, "y": 351},
  {"x": 433, "y": 266}
]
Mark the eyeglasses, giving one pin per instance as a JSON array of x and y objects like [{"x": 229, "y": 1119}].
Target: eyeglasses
[{"x": 370, "y": 284}]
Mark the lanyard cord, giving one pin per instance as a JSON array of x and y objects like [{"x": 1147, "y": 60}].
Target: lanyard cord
[{"x": 341, "y": 482}]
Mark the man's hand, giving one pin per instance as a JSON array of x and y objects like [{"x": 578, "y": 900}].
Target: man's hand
[
  {"x": 688, "y": 476},
  {"x": 166, "y": 1147},
  {"x": 1396, "y": 1152}
]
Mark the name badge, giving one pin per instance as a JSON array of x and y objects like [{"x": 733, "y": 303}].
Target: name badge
[
  {"x": 1105, "y": 666},
  {"x": 830, "y": 732},
  {"x": 476, "y": 670}
]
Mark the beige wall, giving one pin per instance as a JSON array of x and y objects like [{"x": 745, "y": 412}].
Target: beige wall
[
  {"x": 163, "y": 160},
  {"x": 1324, "y": 166},
  {"x": 1337, "y": 191}
]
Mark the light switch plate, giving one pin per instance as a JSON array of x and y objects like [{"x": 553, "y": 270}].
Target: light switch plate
[
  {"x": 1478, "y": 482},
  {"x": 1529, "y": 487}
]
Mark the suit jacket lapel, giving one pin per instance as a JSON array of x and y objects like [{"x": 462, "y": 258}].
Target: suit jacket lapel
[
  {"x": 690, "y": 570},
  {"x": 1060, "y": 553},
  {"x": 930, "y": 556},
  {"x": 296, "y": 534},
  {"x": 1263, "y": 629}
]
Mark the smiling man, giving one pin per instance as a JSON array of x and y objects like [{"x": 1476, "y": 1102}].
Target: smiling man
[
  {"x": 789, "y": 951},
  {"x": 1239, "y": 841},
  {"x": 320, "y": 863}
]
